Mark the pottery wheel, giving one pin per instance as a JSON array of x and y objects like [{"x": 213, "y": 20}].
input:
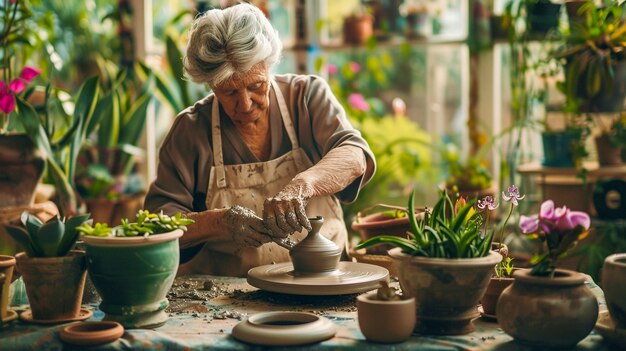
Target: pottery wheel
[{"x": 348, "y": 278}]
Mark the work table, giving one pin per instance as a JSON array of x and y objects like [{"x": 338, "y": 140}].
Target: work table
[{"x": 204, "y": 309}]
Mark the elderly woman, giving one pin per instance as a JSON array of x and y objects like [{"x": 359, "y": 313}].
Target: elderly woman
[{"x": 251, "y": 161}]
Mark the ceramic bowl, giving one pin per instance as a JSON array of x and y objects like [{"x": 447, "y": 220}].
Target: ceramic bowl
[
  {"x": 91, "y": 333},
  {"x": 385, "y": 321},
  {"x": 614, "y": 286},
  {"x": 284, "y": 329}
]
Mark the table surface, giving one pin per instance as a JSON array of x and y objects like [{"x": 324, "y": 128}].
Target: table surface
[{"x": 204, "y": 309}]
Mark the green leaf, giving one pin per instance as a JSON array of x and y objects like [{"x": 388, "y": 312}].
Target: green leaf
[
  {"x": 49, "y": 237},
  {"x": 30, "y": 222},
  {"x": 22, "y": 238},
  {"x": 85, "y": 105},
  {"x": 71, "y": 234},
  {"x": 406, "y": 245},
  {"x": 175, "y": 61}
]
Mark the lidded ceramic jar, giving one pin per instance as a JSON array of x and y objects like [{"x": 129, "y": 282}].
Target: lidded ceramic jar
[{"x": 315, "y": 253}]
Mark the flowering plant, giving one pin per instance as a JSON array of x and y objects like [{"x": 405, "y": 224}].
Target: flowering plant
[
  {"x": 489, "y": 203},
  {"x": 560, "y": 229}
]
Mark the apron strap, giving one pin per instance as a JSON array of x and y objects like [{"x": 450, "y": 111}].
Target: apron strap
[
  {"x": 218, "y": 156},
  {"x": 284, "y": 113}
]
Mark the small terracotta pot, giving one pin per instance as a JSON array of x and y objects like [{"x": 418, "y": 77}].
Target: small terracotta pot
[
  {"x": 608, "y": 155},
  {"x": 378, "y": 223},
  {"x": 91, "y": 333},
  {"x": 614, "y": 286},
  {"x": 385, "y": 321},
  {"x": 357, "y": 29},
  {"x": 548, "y": 312},
  {"x": 7, "y": 264},
  {"x": 54, "y": 285},
  {"x": 493, "y": 292}
]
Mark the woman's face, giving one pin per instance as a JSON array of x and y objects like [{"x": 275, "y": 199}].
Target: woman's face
[{"x": 245, "y": 97}]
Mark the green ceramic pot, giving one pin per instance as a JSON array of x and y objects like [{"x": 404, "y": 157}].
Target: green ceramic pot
[{"x": 133, "y": 275}]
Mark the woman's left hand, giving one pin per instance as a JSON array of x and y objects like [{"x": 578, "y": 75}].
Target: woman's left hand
[{"x": 285, "y": 213}]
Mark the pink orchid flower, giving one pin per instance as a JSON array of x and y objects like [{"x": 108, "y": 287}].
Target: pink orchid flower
[
  {"x": 358, "y": 102},
  {"x": 355, "y": 67},
  {"x": 16, "y": 86},
  {"x": 331, "y": 69}
]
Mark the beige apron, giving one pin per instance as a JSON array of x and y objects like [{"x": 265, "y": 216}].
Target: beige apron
[{"x": 249, "y": 185}]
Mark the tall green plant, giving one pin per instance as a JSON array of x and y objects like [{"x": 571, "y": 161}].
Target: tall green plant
[
  {"x": 62, "y": 147},
  {"x": 447, "y": 231}
]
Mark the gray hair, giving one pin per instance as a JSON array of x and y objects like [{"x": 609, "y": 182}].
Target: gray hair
[{"x": 223, "y": 43}]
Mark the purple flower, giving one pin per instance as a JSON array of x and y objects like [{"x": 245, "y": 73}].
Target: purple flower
[
  {"x": 488, "y": 202},
  {"x": 513, "y": 195},
  {"x": 357, "y": 101}
]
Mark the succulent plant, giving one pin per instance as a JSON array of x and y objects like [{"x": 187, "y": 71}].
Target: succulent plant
[
  {"x": 55, "y": 238},
  {"x": 146, "y": 223}
]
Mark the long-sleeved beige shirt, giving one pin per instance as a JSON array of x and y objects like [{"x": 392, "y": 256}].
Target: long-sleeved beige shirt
[{"x": 186, "y": 156}]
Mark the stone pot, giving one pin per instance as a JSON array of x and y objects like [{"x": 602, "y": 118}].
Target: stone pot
[
  {"x": 446, "y": 291},
  {"x": 133, "y": 275},
  {"x": 7, "y": 264},
  {"x": 608, "y": 155},
  {"x": 548, "y": 312},
  {"x": 385, "y": 321},
  {"x": 54, "y": 285},
  {"x": 22, "y": 165},
  {"x": 614, "y": 286},
  {"x": 493, "y": 292}
]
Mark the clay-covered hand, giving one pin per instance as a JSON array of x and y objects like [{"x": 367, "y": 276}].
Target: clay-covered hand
[
  {"x": 285, "y": 213},
  {"x": 245, "y": 227}
]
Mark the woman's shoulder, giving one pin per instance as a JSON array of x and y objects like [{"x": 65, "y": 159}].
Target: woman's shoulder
[
  {"x": 300, "y": 82},
  {"x": 192, "y": 123}
]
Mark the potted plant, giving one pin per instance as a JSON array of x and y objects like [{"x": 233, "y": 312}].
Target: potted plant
[
  {"x": 385, "y": 316},
  {"x": 133, "y": 266},
  {"x": 501, "y": 277},
  {"x": 444, "y": 262},
  {"x": 21, "y": 162},
  {"x": 611, "y": 141},
  {"x": 106, "y": 177},
  {"x": 594, "y": 60},
  {"x": 542, "y": 16},
  {"x": 614, "y": 285},
  {"x": 521, "y": 309},
  {"x": 54, "y": 274}
]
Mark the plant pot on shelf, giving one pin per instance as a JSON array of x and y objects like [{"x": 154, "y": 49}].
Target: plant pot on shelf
[
  {"x": 543, "y": 16},
  {"x": 22, "y": 165},
  {"x": 558, "y": 148},
  {"x": 446, "y": 291},
  {"x": 111, "y": 211},
  {"x": 133, "y": 275},
  {"x": 608, "y": 155},
  {"x": 574, "y": 17},
  {"x": 614, "y": 286},
  {"x": 533, "y": 309},
  {"x": 54, "y": 285},
  {"x": 357, "y": 29},
  {"x": 385, "y": 321}
]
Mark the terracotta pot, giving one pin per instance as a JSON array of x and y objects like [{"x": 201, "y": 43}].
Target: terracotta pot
[
  {"x": 548, "y": 312},
  {"x": 133, "y": 275},
  {"x": 357, "y": 29},
  {"x": 493, "y": 292},
  {"x": 608, "y": 155},
  {"x": 614, "y": 286},
  {"x": 22, "y": 165},
  {"x": 54, "y": 285},
  {"x": 379, "y": 223},
  {"x": 7, "y": 264},
  {"x": 112, "y": 211},
  {"x": 446, "y": 291},
  {"x": 385, "y": 321},
  {"x": 91, "y": 333}
]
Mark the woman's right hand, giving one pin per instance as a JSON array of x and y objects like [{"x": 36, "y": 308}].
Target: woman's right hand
[{"x": 245, "y": 227}]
